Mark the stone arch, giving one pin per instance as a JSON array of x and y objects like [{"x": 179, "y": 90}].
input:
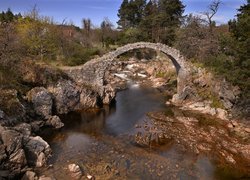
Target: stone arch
[
  {"x": 92, "y": 72},
  {"x": 177, "y": 59}
]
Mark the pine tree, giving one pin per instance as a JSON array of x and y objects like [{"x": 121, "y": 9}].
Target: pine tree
[
  {"x": 146, "y": 24},
  {"x": 138, "y": 11},
  {"x": 241, "y": 31},
  {"x": 168, "y": 19},
  {"x": 123, "y": 15},
  {"x": 9, "y": 16}
]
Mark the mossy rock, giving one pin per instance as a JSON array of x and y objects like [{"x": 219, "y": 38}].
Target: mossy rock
[{"x": 10, "y": 104}]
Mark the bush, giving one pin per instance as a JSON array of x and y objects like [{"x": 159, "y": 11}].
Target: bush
[{"x": 80, "y": 55}]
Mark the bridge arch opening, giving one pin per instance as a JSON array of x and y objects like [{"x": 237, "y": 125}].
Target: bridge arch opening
[
  {"x": 93, "y": 72},
  {"x": 173, "y": 54},
  {"x": 150, "y": 55}
]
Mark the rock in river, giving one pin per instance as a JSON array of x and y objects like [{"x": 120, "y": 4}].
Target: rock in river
[{"x": 75, "y": 170}]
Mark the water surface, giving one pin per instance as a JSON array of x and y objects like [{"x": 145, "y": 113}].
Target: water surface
[{"x": 104, "y": 138}]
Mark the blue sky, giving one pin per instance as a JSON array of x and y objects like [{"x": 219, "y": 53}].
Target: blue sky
[{"x": 96, "y": 10}]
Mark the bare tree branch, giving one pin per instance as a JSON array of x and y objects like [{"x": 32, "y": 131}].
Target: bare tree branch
[{"x": 212, "y": 10}]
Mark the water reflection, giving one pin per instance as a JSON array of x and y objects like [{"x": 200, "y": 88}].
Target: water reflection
[
  {"x": 130, "y": 108},
  {"x": 106, "y": 127}
]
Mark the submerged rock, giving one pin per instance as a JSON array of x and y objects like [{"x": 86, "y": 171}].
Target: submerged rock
[{"x": 75, "y": 171}]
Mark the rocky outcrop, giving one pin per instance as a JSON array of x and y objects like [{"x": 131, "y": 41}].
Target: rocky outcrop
[
  {"x": 55, "y": 122},
  {"x": 37, "y": 151},
  {"x": 68, "y": 96},
  {"x": 41, "y": 100},
  {"x": 42, "y": 103},
  {"x": 205, "y": 108},
  {"x": 226, "y": 93},
  {"x": 18, "y": 150}
]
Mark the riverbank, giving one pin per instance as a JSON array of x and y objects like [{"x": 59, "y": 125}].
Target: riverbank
[
  {"x": 22, "y": 150},
  {"x": 141, "y": 137}
]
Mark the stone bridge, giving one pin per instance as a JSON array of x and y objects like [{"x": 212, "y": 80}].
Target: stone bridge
[{"x": 92, "y": 73}]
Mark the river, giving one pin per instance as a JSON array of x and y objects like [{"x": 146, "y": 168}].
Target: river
[{"x": 102, "y": 143}]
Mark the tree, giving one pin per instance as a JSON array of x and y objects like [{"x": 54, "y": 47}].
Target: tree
[
  {"x": 212, "y": 10},
  {"x": 8, "y": 16},
  {"x": 241, "y": 32},
  {"x": 106, "y": 32},
  {"x": 131, "y": 13},
  {"x": 192, "y": 37},
  {"x": 123, "y": 14},
  {"x": 168, "y": 20},
  {"x": 146, "y": 25},
  {"x": 39, "y": 37},
  {"x": 86, "y": 31},
  {"x": 86, "y": 25},
  {"x": 155, "y": 21},
  {"x": 137, "y": 13}
]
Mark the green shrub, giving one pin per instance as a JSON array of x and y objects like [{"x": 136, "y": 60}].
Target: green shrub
[
  {"x": 207, "y": 95},
  {"x": 81, "y": 55}
]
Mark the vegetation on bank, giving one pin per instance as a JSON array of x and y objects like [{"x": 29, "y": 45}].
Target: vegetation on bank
[{"x": 222, "y": 48}]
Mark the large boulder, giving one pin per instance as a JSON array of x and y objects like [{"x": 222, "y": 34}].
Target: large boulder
[
  {"x": 228, "y": 95},
  {"x": 24, "y": 128},
  {"x": 41, "y": 100},
  {"x": 13, "y": 149},
  {"x": 88, "y": 99},
  {"x": 12, "y": 140},
  {"x": 55, "y": 122},
  {"x": 37, "y": 151},
  {"x": 187, "y": 93},
  {"x": 66, "y": 96}
]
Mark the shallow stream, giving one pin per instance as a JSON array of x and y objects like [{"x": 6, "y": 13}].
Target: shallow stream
[{"x": 102, "y": 143}]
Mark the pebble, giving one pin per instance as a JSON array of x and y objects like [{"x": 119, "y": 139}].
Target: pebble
[{"x": 90, "y": 177}]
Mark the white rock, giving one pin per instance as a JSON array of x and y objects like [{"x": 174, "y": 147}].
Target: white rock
[
  {"x": 222, "y": 114},
  {"x": 122, "y": 76},
  {"x": 90, "y": 177},
  {"x": 75, "y": 170},
  {"x": 141, "y": 75},
  {"x": 130, "y": 66}
]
